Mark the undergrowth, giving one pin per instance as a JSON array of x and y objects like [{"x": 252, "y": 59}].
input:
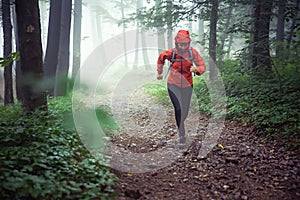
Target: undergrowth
[
  {"x": 268, "y": 101},
  {"x": 42, "y": 158},
  {"x": 260, "y": 99}
]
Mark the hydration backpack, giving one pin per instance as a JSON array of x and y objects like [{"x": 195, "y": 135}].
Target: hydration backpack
[{"x": 191, "y": 58}]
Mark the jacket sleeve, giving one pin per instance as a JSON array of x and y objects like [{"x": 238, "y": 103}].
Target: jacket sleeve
[
  {"x": 161, "y": 60},
  {"x": 199, "y": 62}
]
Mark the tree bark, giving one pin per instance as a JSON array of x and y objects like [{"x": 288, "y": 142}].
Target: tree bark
[
  {"x": 124, "y": 34},
  {"x": 100, "y": 35},
  {"x": 213, "y": 40},
  {"x": 63, "y": 50},
  {"x": 7, "y": 49},
  {"x": 77, "y": 38},
  {"x": 225, "y": 30},
  {"x": 160, "y": 33},
  {"x": 29, "y": 32},
  {"x": 51, "y": 57},
  {"x": 144, "y": 43},
  {"x": 280, "y": 29},
  {"x": 169, "y": 19},
  {"x": 261, "y": 47},
  {"x": 201, "y": 30},
  {"x": 137, "y": 38},
  {"x": 293, "y": 26},
  {"x": 18, "y": 64}
]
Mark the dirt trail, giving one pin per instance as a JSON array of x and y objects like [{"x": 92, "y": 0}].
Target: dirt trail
[{"x": 242, "y": 166}]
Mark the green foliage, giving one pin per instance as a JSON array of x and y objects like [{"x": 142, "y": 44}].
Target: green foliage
[
  {"x": 4, "y": 62},
  {"x": 159, "y": 91},
  {"x": 42, "y": 159},
  {"x": 163, "y": 13},
  {"x": 257, "y": 98},
  {"x": 203, "y": 98},
  {"x": 105, "y": 119}
]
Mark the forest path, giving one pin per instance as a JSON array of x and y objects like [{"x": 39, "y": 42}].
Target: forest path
[{"x": 242, "y": 166}]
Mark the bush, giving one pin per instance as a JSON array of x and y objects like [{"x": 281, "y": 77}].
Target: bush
[
  {"x": 40, "y": 158},
  {"x": 268, "y": 102},
  {"x": 159, "y": 91}
]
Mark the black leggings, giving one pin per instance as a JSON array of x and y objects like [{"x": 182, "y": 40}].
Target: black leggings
[{"x": 181, "y": 98}]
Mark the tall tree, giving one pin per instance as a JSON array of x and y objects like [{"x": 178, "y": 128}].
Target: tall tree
[
  {"x": 51, "y": 57},
  {"x": 17, "y": 63},
  {"x": 169, "y": 19},
  {"x": 7, "y": 34},
  {"x": 144, "y": 42},
  {"x": 76, "y": 37},
  {"x": 160, "y": 31},
  {"x": 261, "y": 46},
  {"x": 200, "y": 28},
  {"x": 63, "y": 50},
  {"x": 124, "y": 33},
  {"x": 280, "y": 28},
  {"x": 293, "y": 25},
  {"x": 29, "y": 33},
  {"x": 137, "y": 38},
  {"x": 230, "y": 41},
  {"x": 213, "y": 39},
  {"x": 225, "y": 31}
]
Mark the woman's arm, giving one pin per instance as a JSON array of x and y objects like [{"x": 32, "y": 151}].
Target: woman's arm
[
  {"x": 161, "y": 61},
  {"x": 199, "y": 62}
]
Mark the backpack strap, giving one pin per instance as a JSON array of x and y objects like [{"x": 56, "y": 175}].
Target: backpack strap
[
  {"x": 171, "y": 62},
  {"x": 191, "y": 58}
]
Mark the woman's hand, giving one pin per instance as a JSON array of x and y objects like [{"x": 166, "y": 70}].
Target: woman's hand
[
  {"x": 193, "y": 69},
  {"x": 159, "y": 76}
]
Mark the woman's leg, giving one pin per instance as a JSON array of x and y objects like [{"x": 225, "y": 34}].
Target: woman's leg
[
  {"x": 175, "y": 97},
  {"x": 186, "y": 94}
]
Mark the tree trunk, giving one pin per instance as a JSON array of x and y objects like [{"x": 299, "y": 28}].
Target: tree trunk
[
  {"x": 100, "y": 35},
  {"x": 190, "y": 26},
  {"x": 51, "y": 57},
  {"x": 145, "y": 52},
  {"x": 213, "y": 40},
  {"x": 76, "y": 37},
  {"x": 144, "y": 43},
  {"x": 261, "y": 47},
  {"x": 251, "y": 37},
  {"x": 18, "y": 64},
  {"x": 136, "y": 54},
  {"x": 137, "y": 38},
  {"x": 169, "y": 24},
  {"x": 29, "y": 33},
  {"x": 201, "y": 30},
  {"x": 230, "y": 41},
  {"x": 7, "y": 49},
  {"x": 124, "y": 34},
  {"x": 280, "y": 29},
  {"x": 160, "y": 33},
  {"x": 224, "y": 31},
  {"x": 293, "y": 26},
  {"x": 64, "y": 50},
  {"x": 161, "y": 39}
]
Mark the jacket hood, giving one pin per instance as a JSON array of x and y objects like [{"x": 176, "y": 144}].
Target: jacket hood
[{"x": 183, "y": 36}]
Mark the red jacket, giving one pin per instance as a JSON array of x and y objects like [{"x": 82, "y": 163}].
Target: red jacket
[{"x": 180, "y": 74}]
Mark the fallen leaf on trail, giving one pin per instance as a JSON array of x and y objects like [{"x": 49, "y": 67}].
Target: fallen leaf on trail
[
  {"x": 226, "y": 186},
  {"x": 221, "y": 146}
]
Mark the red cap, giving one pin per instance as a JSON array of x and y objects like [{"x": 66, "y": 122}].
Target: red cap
[{"x": 183, "y": 36}]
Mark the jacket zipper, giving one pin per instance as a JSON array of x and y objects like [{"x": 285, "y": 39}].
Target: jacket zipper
[{"x": 181, "y": 73}]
